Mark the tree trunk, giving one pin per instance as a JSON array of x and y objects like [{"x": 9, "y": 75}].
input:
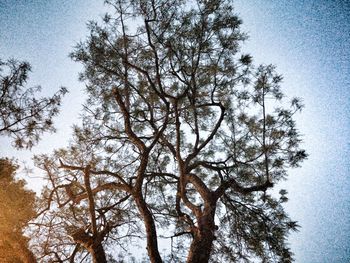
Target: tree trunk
[
  {"x": 203, "y": 237},
  {"x": 98, "y": 254},
  {"x": 151, "y": 232},
  {"x": 200, "y": 249},
  {"x": 91, "y": 244}
]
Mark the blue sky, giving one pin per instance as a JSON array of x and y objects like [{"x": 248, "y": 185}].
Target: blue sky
[{"x": 309, "y": 41}]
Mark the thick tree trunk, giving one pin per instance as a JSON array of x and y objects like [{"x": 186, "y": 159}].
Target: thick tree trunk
[
  {"x": 98, "y": 254},
  {"x": 91, "y": 244},
  {"x": 201, "y": 247},
  {"x": 151, "y": 232},
  {"x": 203, "y": 237}
]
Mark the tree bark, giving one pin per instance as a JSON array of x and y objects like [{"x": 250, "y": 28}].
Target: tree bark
[
  {"x": 203, "y": 236},
  {"x": 92, "y": 244},
  {"x": 151, "y": 232},
  {"x": 98, "y": 254}
]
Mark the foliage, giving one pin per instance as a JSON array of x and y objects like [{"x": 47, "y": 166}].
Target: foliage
[
  {"x": 23, "y": 117},
  {"x": 181, "y": 121},
  {"x": 16, "y": 209}
]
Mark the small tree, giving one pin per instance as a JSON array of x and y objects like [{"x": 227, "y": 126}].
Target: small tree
[
  {"x": 23, "y": 117},
  {"x": 16, "y": 209},
  {"x": 182, "y": 122}
]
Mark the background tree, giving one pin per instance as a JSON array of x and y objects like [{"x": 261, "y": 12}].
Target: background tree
[
  {"x": 181, "y": 121},
  {"x": 23, "y": 117},
  {"x": 16, "y": 209}
]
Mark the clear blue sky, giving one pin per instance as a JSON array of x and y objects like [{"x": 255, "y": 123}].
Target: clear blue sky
[{"x": 309, "y": 41}]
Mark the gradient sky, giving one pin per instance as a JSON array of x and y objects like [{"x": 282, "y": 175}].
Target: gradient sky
[{"x": 309, "y": 41}]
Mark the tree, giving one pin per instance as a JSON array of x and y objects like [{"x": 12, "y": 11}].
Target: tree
[
  {"x": 181, "y": 121},
  {"x": 23, "y": 117},
  {"x": 16, "y": 209}
]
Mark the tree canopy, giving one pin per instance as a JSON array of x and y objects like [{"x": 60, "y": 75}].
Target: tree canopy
[
  {"x": 23, "y": 116},
  {"x": 16, "y": 210},
  {"x": 182, "y": 137}
]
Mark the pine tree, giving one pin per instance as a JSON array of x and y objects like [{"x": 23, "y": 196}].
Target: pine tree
[
  {"x": 181, "y": 121},
  {"x": 24, "y": 117}
]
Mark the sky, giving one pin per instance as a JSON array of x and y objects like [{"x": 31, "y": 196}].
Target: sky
[{"x": 308, "y": 41}]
